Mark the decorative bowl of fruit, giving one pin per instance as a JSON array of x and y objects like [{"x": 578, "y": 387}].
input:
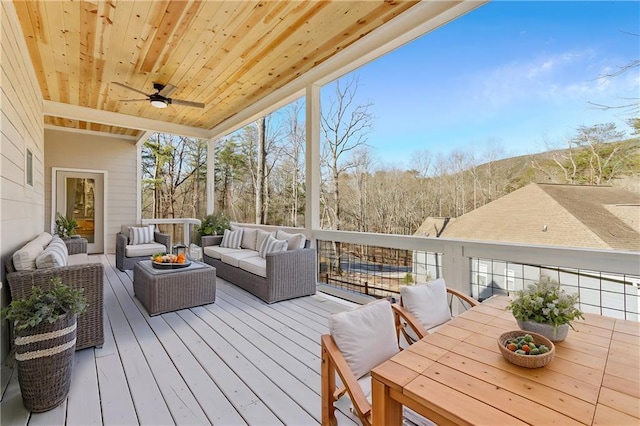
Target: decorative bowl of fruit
[
  {"x": 169, "y": 261},
  {"x": 526, "y": 349}
]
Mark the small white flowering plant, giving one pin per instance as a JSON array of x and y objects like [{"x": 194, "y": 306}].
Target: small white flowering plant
[{"x": 545, "y": 302}]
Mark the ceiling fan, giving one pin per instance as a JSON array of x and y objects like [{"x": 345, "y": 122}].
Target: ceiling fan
[{"x": 161, "y": 98}]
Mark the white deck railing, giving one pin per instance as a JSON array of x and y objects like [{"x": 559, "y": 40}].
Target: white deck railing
[
  {"x": 186, "y": 223},
  {"x": 607, "y": 266}
]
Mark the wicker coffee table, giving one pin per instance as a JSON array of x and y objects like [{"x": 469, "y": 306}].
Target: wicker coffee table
[{"x": 162, "y": 290}]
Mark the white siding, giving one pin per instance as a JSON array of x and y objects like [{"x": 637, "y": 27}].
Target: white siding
[
  {"x": 116, "y": 156},
  {"x": 21, "y": 127}
]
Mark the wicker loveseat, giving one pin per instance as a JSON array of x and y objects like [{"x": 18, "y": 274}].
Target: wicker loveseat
[
  {"x": 79, "y": 272},
  {"x": 277, "y": 276},
  {"x": 128, "y": 253}
]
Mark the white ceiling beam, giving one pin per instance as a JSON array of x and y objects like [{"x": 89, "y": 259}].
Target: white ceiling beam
[
  {"x": 89, "y": 132},
  {"x": 74, "y": 112},
  {"x": 413, "y": 23},
  {"x": 144, "y": 136}
]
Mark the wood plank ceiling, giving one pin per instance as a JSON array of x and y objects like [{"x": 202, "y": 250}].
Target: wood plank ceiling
[{"x": 226, "y": 54}]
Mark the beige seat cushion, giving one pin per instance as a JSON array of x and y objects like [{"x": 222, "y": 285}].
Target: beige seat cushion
[
  {"x": 255, "y": 265},
  {"x": 233, "y": 258},
  {"x": 216, "y": 251},
  {"x": 78, "y": 259},
  {"x": 144, "y": 249}
]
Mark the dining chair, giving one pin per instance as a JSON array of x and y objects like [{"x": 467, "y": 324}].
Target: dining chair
[
  {"x": 359, "y": 340},
  {"x": 425, "y": 307}
]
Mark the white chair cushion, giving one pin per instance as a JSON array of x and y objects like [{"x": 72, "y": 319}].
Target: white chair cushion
[
  {"x": 216, "y": 251},
  {"x": 427, "y": 302},
  {"x": 256, "y": 265},
  {"x": 271, "y": 245},
  {"x": 236, "y": 256},
  {"x": 295, "y": 241},
  {"x": 232, "y": 239},
  {"x": 77, "y": 259},
  {"x": 366, "y": 336},
  {"x": 55, "y": 254},
  {"x": 139, "y": 250},
  {"x": 141, "y": 235}
]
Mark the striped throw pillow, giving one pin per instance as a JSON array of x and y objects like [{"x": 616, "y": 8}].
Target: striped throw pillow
[
  {"x": 141, "y": 235},
  {"x": 56, "y": 254},
  {"x": 231, "y": 239},
  {"x": 271, "y": 245}
]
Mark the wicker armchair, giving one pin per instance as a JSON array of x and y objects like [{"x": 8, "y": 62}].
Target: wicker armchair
[
  {"x": 88, "y": 276},
  {"x": 126, "y": 263}
]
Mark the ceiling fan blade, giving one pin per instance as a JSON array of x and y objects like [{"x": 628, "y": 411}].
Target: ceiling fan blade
[
  {"x": 132, "y": 100},
  {"x": 187, "y": 103},
  {"x": 130, "y": 88},
  {"x": 167, "y": 90}
]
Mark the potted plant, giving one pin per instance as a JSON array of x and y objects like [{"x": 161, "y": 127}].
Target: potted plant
[
  {"x": 65, "y": 226},
  {"x": 546, "y": 309},
  {"x": 213, "y": 224},
  {"x": 45, "y": 341}
]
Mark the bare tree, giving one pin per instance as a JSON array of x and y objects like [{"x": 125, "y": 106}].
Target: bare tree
[{"x": 345, "y": 126}]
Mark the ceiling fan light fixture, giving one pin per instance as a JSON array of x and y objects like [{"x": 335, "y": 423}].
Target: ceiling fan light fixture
[{"x": 159, "y": 103}]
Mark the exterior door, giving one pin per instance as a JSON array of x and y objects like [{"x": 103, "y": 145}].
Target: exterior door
[{"x": 80, "y": 195}]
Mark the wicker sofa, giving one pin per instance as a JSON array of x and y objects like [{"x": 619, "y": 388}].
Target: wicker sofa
[
  {"x": 79, "y": 272},
  {"x": 277, "y": 277},
  {"x": 128, "y": 254}
]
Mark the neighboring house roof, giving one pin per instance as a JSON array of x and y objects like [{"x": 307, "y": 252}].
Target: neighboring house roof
[
  {"x": 558, "y": 215},
  {"x": 432, "y": 226}
]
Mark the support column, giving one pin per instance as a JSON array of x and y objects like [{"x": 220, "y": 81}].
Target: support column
[
  {"x": 312, "y": 159},
  {"x": 211, "y": 167}
]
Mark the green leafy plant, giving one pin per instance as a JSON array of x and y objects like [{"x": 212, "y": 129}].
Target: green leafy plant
[
  {"x": 407, "y": 279},
  {"x": 65, "y": 226},
  {"x": 545, "y": 302},
  {"x": 213, "y": 224},
  {"x": 49, "y": 305}
]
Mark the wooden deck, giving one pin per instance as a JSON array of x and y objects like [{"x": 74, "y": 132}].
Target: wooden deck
[{"x": 237, "y": 361}]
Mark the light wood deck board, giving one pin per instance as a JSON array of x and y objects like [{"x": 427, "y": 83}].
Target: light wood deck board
[{"x": 237, "y": 361}]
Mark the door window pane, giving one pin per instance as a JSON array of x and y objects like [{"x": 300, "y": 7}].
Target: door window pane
[{"x": 81, "y": 205}]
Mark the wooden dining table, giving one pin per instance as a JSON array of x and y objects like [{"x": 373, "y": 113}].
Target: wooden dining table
[{"x": 457, "y": 375}]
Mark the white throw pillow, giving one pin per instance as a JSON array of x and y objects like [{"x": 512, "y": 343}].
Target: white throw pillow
[
  {"x": 56, "y": 254},
  {"x": 260, "y": 237},
  {"x": 295, "y": 241},
  {"x": 231, "y": 239},
  {"x": 427, "y": 302},
  {"x": 366, "y": 336},
  {"x": 25, "y": 258},
  {"x": 271, "y": 245},
  {"x": 141, "y": 234},
  {"x": 249, "y": 236}
]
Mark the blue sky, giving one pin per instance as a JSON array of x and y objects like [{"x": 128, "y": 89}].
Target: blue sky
[{"x": 512, "y": 74}]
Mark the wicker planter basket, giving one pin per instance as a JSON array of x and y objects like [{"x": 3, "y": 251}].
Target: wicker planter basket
[
  {"x": 44, "y": 355},
  {"x": 527, "y": 361}
]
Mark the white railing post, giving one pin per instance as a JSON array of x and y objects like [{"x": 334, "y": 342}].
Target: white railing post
[{"x": 456, "y": 269}]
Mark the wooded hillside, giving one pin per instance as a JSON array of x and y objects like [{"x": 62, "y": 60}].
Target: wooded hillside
[{"x": 259, "y": 173}]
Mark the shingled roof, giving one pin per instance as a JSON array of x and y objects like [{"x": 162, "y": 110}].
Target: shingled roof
[{"x": 558, "y": 215}]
